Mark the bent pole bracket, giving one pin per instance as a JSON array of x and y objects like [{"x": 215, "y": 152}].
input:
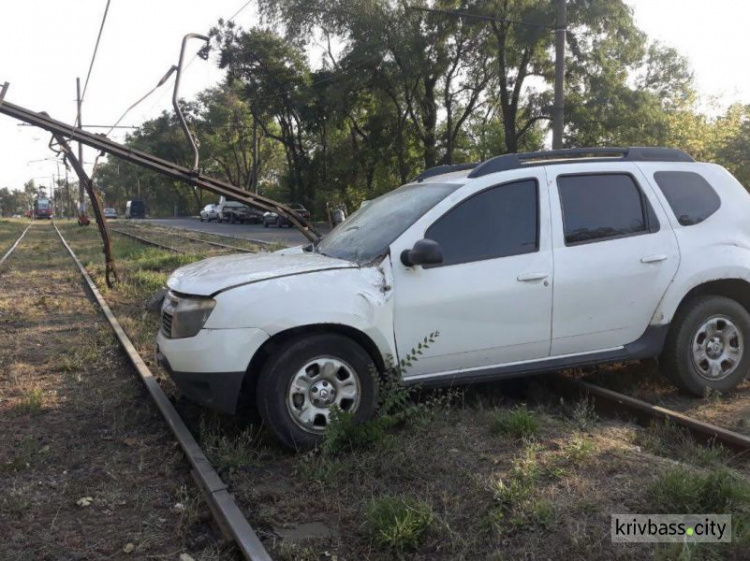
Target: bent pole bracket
[{"x": 176, "y": 102}]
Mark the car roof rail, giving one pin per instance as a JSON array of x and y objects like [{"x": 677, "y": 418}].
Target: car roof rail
[
  {"x": 598, "y": 154},
  {"x": 440, "y": 170}
]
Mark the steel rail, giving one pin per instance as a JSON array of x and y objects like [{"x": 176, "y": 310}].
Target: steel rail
[
  {"x": 253, "y": 240},
  {"x": 14, "y": 246},
  {"x": 147, "y": 242},
  {"x": 167, "y": 232},
  {"x": 611, "y": 402},
  {"x": 228, "y": 515}
]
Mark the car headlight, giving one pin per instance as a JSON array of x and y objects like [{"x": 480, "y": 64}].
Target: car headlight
[{"x": 183, "y": 316}]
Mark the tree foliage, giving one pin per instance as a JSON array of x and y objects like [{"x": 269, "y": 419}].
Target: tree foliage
[{"x": 342, "y": 100}]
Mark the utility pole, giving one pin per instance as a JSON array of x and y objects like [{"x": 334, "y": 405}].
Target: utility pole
[
  {"x": 558, "y": 110},
  {"x": 254, "y": 182},
  {"x": 81, "y": 199}
]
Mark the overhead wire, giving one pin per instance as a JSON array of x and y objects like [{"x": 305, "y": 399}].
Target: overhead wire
[
  {"x": 76, "y": 122},
  {"x": 96, "y": 50}
]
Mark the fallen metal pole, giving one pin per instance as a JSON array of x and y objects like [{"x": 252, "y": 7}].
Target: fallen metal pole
[
  {"x": 158, "y": 165},
  {"x": 96, "y": 204}
]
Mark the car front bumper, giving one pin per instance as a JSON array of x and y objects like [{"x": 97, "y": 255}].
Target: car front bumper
[{"x": 210, "y": 367}]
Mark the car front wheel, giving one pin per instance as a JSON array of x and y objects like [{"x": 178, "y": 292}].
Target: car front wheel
[
  {"x": 306, "y": 379},
  {"x": 707, "y": 348}
]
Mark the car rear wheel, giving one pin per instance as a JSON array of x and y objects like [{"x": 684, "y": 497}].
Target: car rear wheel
[
  {"x": 707, "y": 347},
  {"x": 306, "y": 378}
]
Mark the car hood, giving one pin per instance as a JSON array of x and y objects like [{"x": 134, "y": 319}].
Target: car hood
[{"x": 216, "y": 274}]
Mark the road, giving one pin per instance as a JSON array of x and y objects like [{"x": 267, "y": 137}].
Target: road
[{"x": 286, "y": 236}]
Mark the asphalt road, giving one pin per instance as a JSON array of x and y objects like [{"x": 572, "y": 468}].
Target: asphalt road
[{"x": 286, "y": 236}]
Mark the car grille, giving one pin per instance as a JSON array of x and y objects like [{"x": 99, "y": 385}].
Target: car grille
[{"x": 166, "y": 324}]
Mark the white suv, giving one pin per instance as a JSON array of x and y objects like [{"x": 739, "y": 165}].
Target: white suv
[{"x": 524, "y": 263}]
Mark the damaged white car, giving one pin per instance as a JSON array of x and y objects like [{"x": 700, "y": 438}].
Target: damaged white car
[{"x": 524, "y": 263}]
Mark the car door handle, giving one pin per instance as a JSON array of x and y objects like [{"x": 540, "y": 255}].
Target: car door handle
[
  {"x": 654, "y": 258},
  {"x": 528, "y": 277}
]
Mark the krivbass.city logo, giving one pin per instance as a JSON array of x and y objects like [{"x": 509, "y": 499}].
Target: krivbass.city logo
[{"x": 653, "y": 528}]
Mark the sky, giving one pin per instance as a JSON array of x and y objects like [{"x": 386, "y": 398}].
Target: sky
[{"x": 46, "y": 44}]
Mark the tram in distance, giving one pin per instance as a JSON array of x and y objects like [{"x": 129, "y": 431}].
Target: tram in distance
[{"x": 42, "y": 208}]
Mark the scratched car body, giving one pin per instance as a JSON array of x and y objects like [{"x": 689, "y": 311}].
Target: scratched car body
[{"x": 522, "y": 264}]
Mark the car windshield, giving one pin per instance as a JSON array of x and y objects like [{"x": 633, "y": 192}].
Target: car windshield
[{"x": 369, "y": 232}]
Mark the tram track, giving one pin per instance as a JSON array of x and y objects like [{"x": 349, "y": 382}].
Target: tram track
[
  {"x": 224, "y": 509},
  {"x": 613, "y": 403},
  {"x": 14, "y": 246}
]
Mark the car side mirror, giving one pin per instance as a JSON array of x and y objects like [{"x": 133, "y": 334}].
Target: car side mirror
[{"x": 424, "y": 252}]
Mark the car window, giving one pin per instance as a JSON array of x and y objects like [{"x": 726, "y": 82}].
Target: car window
[
  {"x": 497, "y": 222},
  {"x": 690, "y": 196},
  {"x": 602, "y": 206}
]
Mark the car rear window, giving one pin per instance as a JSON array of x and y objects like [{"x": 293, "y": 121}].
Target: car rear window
[
  {"x": 690, "y": 196},
  {"x": 602, "y": 206}
]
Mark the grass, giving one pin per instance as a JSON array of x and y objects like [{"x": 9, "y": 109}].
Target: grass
[
  {"x": 584, "y": 414},
  {"x": 665, "y": 438},
  {"x": 424, "y": 480},
  {"x": 228, "y": 451},
  {"x": 398, "y": 523},
  {"x": 682, "y": 490},
  {"x": 31, "y": 403},
  {"x": 96, "y": 435},
  {"x": 579, "y": 449},
  {"x": 518, "y": 422},
  {"x": 522, "y": 479},
  {"x": 25, "y": 454}
]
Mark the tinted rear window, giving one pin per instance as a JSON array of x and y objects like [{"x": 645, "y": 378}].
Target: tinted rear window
[
  {"x": 689, "y": 195},
  {"x": 598, "y": 207}
]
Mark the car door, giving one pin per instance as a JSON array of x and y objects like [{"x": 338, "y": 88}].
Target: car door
[
  {"x": 615, "y": 255},
  {"x": 490, "y": 299}
]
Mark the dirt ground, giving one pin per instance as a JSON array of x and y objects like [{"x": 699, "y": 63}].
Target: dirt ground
[
  {"x": 88, "y": 470},
  {"x": 496, "y": 471}
]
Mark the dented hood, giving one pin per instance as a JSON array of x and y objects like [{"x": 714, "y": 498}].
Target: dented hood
[{"x": 216, "y": 274}]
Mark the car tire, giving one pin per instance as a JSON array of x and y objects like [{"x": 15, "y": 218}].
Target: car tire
[
  {"x": 708, "y": 346},
  {"x": 295, "y": 394}
]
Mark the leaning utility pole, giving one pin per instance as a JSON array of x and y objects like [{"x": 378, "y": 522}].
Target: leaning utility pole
[
  {"x": 558, "y": 110},
  {"x": 81, "y": 199}
]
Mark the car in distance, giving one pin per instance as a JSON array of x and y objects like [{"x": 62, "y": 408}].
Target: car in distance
[
  {"x": 640, "y": 252},
  {"x": 209, "y": 212},
  {"x": 273, "y": 218},
  {"x": 232, "y": 212},
  {"x": 110, "y": 213},
  {"x": 135, "y": 209}
]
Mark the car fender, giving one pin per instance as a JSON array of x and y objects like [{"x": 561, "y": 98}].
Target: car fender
[
  {"x": 359, "y": 298},
  {"x": 729, "y": 261}
]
